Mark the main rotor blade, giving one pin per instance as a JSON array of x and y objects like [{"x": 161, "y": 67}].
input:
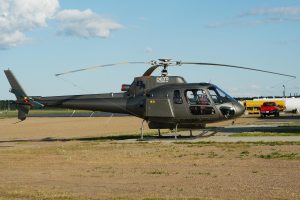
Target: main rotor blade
[
  {"x": 99, "y": 66},
  {"x": 239, "y": 67}
]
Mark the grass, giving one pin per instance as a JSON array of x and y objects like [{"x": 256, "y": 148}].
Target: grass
[
  {"x": 40, "y": 195},
  {"x": 244, "y": 154},
  {"x": 53, "y": 195},
  {"x": 158, "y": 172},
  {"x": 201, "y": 173},
  {"x": 262, "y": 134},
  {"x": 110, "y": 163},
  {"x": 294, "y": 123},
  {"x": 8, "y": 114},
  {"x": 158, "y": 198},
  {"x": 121, "y": 198},
  {"x": 280, "y": 155},
  {"x": 212, "y": 154},
  {"x": 237, "y": 144}
]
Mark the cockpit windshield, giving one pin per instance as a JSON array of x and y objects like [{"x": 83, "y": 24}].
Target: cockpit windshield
[{"x": 218, "y": 95}]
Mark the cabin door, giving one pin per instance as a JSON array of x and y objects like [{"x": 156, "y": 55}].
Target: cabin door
[{"x": 179, "y": 105}]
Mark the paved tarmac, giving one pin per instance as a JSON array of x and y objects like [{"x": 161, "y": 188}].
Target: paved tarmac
[
  {"x": 86, "y": 126},
  {"x": 223, "y": 134},
  {"x": 220, "y": 138}
]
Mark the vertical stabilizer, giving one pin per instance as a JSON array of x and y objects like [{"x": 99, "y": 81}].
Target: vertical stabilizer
[
  {"x": 23, "y": 102},
  {"x": 16, "y": 88}
]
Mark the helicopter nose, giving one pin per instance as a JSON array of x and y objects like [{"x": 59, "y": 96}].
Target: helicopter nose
[{"x": 239, "y": 109}]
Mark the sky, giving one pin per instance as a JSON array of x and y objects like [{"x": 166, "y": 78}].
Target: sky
[{"x": 39, "y": 38}]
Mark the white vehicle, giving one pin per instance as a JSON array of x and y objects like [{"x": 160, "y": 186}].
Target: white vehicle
[{"x": 292, "y": 105}]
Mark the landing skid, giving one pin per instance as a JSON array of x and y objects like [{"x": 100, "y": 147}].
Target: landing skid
[{"x": 178, "y": 135}]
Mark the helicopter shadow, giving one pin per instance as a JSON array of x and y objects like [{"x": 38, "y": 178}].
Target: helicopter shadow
[
  {"x": 50, "y": 139},
  {"x": 178, "y": 136},
  {"x": 171, "y": 136}
]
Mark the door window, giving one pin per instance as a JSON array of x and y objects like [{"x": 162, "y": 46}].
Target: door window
[
  {"x": 177, "y": 99},
  {"x": 199, "y": 102}
]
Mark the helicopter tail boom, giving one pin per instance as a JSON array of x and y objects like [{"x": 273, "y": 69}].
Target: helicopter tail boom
[{"x": 111, "y": 102}]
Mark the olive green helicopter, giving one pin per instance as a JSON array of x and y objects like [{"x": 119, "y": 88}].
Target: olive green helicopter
[{"x": 163, "y": 102}]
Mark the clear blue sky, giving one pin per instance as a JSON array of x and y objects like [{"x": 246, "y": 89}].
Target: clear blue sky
[{"x": 252, "y": 33}]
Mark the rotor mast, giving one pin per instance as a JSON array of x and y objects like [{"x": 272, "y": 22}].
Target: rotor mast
[{"x": 164, "y": 63}]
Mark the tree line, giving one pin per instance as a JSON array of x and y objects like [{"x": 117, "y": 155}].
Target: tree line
[{"x": 7, "y": 105}]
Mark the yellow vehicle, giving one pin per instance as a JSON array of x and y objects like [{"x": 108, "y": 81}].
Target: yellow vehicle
[{"x": 253, "y": 106}]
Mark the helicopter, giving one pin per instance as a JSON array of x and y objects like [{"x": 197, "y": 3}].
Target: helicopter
[{"x": 164, "y": 102}]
